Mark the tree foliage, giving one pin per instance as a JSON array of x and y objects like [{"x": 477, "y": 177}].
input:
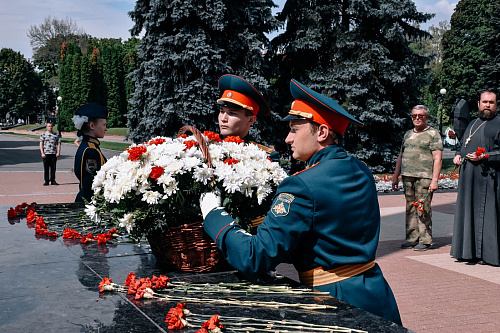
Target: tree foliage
[
  {"x": 356, "y": 52},
  {"x": 46, "y": 40},
  {"x": 470, "y": 57},
  {"x": 187, "y": 46},
  {"x": 20, "y": 86},
  {"x": 97, "y": 74}
]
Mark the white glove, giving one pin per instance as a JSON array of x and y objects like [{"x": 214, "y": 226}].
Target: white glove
[{"x": 208, "y": 202}]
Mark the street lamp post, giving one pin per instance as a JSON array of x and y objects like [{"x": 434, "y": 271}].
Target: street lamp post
[
  {"x": 59, "y": 99},
  {"x": 442, "y": 92}
]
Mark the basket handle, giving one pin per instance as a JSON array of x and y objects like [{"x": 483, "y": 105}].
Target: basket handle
[{"x": 203, "y": 145}]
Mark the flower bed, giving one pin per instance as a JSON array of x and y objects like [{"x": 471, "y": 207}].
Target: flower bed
[{"x": 446, "y": 181}]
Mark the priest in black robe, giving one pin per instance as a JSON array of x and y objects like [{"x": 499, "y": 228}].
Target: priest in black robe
[{"x": 476, "y": 234}]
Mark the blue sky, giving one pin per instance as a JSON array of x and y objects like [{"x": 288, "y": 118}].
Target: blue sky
[{"x": 109, "y": 19}]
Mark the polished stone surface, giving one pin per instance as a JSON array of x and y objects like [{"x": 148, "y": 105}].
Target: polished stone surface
[{"x": 51, "y": 285}]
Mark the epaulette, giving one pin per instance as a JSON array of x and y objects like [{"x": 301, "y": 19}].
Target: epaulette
[
  {"x": 312, "y": 166},
  {"x": 262, "y": 147}
]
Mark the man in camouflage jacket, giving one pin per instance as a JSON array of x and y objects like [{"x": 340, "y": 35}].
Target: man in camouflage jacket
[{"x": 419, "y": 162}]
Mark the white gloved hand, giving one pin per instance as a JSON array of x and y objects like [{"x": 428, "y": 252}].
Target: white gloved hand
[{"x": 209, "y": 201}]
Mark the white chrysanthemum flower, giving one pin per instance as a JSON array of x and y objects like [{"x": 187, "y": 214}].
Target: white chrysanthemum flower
[
  {"x": 127, "y": 221},
  {"x": 203, "y": 174},
  {"x": 176, "y": 167},
  {"x": 151, "y": 197},
  {"x": 91, "y": 212}
]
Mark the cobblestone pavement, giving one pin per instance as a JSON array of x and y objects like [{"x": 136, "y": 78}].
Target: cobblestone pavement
[{"x": 434, "y": 292}]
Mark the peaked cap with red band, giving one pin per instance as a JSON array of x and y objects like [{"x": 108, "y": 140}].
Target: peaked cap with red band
[
  {"x": 316, "y": 107},
  {"x": 238, "y": 93}
]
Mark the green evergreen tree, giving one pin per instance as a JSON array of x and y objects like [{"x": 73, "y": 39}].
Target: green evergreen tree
[
  {"x": 73, "y": 85},
  {"x": 356, "y": 52},
  {"x": 131, "y": 62},
  {"x": 187, "y": 46},
  {"x": 469, "y": 50},
  {"x": 113, "y": 80},
  {"x": 20, "y": 86},
  {"x": 491, "y": 69}
]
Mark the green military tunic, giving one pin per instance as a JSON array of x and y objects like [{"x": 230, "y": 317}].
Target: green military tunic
[{"x": 326, "y": 215}]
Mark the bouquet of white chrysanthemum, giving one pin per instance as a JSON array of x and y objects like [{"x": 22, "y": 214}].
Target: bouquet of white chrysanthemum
[{"x": 155, "y": 186}]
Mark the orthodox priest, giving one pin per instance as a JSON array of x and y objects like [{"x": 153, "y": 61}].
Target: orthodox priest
[{"x": 476, "y": 230}]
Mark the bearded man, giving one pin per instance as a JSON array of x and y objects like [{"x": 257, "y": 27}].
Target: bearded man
[{"x": 475, "y": 232}]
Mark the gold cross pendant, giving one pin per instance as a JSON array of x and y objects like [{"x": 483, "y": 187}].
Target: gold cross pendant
[{"x": 467, "y": 141}]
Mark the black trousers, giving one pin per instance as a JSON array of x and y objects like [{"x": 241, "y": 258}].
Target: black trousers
[{"x": 49, "y": 163}]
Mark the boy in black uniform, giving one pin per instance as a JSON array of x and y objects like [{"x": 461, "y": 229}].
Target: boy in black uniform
[{"x": 90, "y": 120}]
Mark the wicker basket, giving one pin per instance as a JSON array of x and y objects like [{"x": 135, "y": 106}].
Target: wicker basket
[{"x": 188, "y": 247}]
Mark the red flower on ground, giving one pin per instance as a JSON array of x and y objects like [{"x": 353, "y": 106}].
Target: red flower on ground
[
  {"x": 102, "y": 238},
  {"x": 132, "y": 289},
  {"x": 156, "y": 172},
  {"x": 212, "y": 324},
  {"x": 183, "y": 136},
  {"x": 31, "y": 216},
  {"x": 130, "y": 279},
  {"x": 176, "y": 317},
  {"x": 230, "y": 161},
  {"x": 11, "y": 213},
  {"x": 71, "y": 233},
  {"x": 135, "y": 153},
  {"x": 51, "y": 233},
  {"x": 30, "y": 208},
  {"x": 20, "y": 209},
  {"x": 112, "y": 232},
  {"x": 202, "y": 330},
  {"x": 88, "y": 238},
  {"x": 160, "y": 282},
  {"x": 104, "y": 282},
  {"x": 40, "y": 222},
  {"x": 235, "y": 139}
]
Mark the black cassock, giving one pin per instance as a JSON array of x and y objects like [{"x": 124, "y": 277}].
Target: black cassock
[{"x": 476, "y": 228}]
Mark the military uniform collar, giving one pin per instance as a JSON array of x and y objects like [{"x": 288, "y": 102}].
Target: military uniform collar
[
  {"x": 332, "y": 151},
  {"x": 91, "y": 139}
]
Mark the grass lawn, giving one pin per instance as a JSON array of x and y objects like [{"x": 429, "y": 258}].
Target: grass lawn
[
  {"x": 117, "y": 131},
  {"x": 27, "y": 127}
]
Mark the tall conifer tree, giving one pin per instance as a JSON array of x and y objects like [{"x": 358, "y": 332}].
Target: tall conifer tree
[
  {"x": 469, "y": 50},
  {"x": 187, "y": 46},
  {"x": 356, "y": 52}
]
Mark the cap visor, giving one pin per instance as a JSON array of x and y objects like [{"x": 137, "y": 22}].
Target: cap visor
[{"x": 292, "y": 117}]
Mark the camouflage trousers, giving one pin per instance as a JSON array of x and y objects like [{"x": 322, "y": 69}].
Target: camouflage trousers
[{"x": 418, "y": 223}]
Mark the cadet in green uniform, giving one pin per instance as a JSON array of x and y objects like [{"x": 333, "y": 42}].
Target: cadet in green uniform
[
  {"x": 239, "y": 105},
  {"x": 324, "y": 219},
  {"x": 90, "y": 120}
]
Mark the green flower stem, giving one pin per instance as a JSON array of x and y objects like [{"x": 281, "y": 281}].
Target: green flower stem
[{"x": 265, "y": 325}]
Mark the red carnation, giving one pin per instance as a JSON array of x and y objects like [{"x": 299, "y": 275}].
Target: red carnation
[
  {"x": 230, "y": 161},
  {"x": 156, "y": 172},
  {"x": 135, "y": 153}
]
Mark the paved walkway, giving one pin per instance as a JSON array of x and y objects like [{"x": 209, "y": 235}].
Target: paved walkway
[{"x": 434, "y": 292}]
